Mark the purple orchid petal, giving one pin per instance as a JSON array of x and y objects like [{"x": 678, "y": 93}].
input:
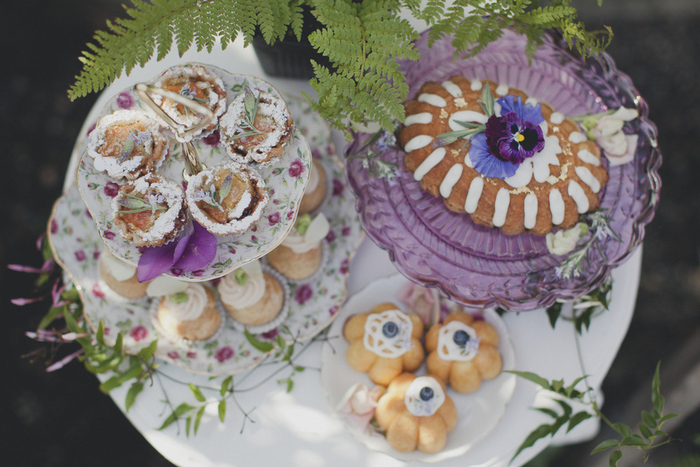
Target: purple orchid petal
[
  {"x": 199, "y": 251},
  {"x": 25, "y": 301},
  {"x": 485, "y": 163},
  {"x": 20, "y": 268},
  {"x": 156, "y": 260},
  {"x": 525, "y": 112}
]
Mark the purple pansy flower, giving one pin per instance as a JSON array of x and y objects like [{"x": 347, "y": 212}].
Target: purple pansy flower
[
  {"x": 511, "y": 139},
  {"x": 125, "y": 100},
  {"x": 195, "y": 249},
  {"x": 223, "y": 354}
]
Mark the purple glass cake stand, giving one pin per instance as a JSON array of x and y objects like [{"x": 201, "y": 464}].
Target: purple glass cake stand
[{"x": 480, "y": 266}]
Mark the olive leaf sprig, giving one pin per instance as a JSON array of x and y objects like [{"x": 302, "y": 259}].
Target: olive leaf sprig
[
  {"x": 134, "y": 204},
  {"x": 135, "y": 137},
  {"x": 471, "y": 129},
  {"x": 250, "y": 110},
  {"x": 215, "y": 197}
]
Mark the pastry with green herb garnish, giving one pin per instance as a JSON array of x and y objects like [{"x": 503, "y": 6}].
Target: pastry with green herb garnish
[
  {"x": 191, "y": 314},
  {"x": 250, "y": 295},
  {"x": 227, "y": 199},
  {"x": 200, "y": 85},
  {"x": 299, "y": 255},
  {"x": 127, "y": 144},
  {"x": 256, "y": 127},
  {"x": 150, "y": 211}
]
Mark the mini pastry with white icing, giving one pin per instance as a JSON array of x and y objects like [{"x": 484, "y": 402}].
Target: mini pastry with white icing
[
  {"x": 120, "y": 276},
  {"x": 463, "y": 351},
  {"x": 251, "y": 296},
  {"x": 190, "y": 314},
  {"x": 416, "y": 413},
  {"x": 384, "y": 342},
  {"x": 315, "y": 189},
  {"x": 300, "y": 254},
  {"x": 150, "y": 211},
  {"x": 127, "y": 144},
  {"x": 256, "y": 127},
  {"x": 550, "y": 174},
  {"x": 198, "y": 84},
  {"x": 227, "y": 199}
]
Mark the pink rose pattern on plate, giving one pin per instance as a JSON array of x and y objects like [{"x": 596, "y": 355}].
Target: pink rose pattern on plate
[{"x": 313, "y": 304}]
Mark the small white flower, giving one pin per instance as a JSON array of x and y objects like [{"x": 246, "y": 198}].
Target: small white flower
[
  {"x": 618, "y": 146},
  {"x": 564, "y": 241},
  {"x": 358, "y": 405}
]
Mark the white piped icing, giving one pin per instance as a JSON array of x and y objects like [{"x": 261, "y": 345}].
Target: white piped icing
[
  {"x": 530, "y": 206},
  {"x": 556, "y": 206},
  {"x": 452, "y": 88},
  {"x": 115, "y": 267},
  {"x": 432, "y": 99},
  {"x": 431, "y": 161},
  {"x": 242, "y": 296},
  {"x": 465, "y": 116},
  {"x": 546, "y": 157},
  {"x": 450, "y": 180},
  {"x": 502, "y": 89},
  {"x": 579, "y": 196},
  {"x": 416, "y": 405},
  {"x": 557, "y": 118},
  {"x": 501, "y": 207},
  {"x": 532, "y": 101},
  {"x": 418, "y": 142},
  {"x": 422, "y": 118},
  {"x": 522, "y": 176},
  {"x": 474, "y": 194},
  {"x": 377, "y": 342},
  {"x": 314, "y": 179},
  {"x": 468, "y": 161},
  {"x": 588, "y": 157},
  {"x": 449, "y": 350},
  {"x": 587, "y": 177},
  {"x": 191, "y": 308},
  {"x": 297, "y": 243},
  {"x": 577, "y": 137},
  {"x": 165, "y": 285},
  {"x": 476, "y": 84}
]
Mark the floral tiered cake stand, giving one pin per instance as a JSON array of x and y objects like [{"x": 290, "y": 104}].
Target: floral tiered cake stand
[{"x": 299, "y": 427}]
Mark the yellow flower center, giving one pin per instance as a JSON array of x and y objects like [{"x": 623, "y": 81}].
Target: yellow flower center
[{"x": 519, "y": 138}]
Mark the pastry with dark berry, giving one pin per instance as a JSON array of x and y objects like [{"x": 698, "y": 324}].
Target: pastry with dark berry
[{"x": 384, "y": 342}]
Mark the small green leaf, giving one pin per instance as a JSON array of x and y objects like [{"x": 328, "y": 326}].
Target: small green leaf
[
  {"x": 648, "y": 419},
  {"x": 71, "y": 323},
  {"x": 225, "y": 385},
  {"x": 607, "y": 444},
  {"x": 53, "y": 313},
  {"x": 147, "y": 352},
  {"x": 634, "y": 440},
  {"x": 197, "y": 393},
  {"x": 131, "y": 394},
  {"x": 576, "y": 419},
  {"x": 222, "y": 410},
  {"x": 226, "y": 187},
  {"x": 656, "y": 398},
  {"x": 303, "y": 223},
  {"x": 540, "y": 432},
  {"x": 198, "y": 419},
  {"x": 261, "y": 346},
  {"x": 119, "y": 344},
  {"x": 531, "y": 377},
  {"x": 290, "y": 385},
  {"x": 615, "y": 456},
  {"x": 110, "y": 384},
  {"x": 127, "y": 149},
  {"x": 181, "y": 410},
  {"x": 646, "y": 432},
  {"x": 240, "y": 276},
  {"x": 179, "y": 297},
  {"x": 100, "y": 335},
  {"x": 553, "y": 313},
  {"x": 547, "y": 411},
  {"x": 667, "y": 417},
  {"x": 623, "y": 429},
  {"x": 188, "y": 424}
]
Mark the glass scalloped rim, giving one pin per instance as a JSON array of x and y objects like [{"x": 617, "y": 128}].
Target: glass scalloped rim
[{"x": 480, "y": 266}]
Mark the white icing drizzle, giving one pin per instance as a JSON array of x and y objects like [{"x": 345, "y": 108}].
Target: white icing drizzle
[
  {"x": 522, "y": 175},
  {"x": 502, "y": 89},
  {"x": 432, "y": 99},
  {"x": 375, "y": 341},
  {"x": 557, "y": 118},
  {"x": 191, "y": 308},
  {"x": 417, "y": 406},
  {"x": 447, "y": 349},
  {"x": 422, "y": 118},
  {"x": 474, "y": 194},
  {"x": 431, "y": 161},
  {"x": 501, "y": 207},
  {"x": 465, "y": 116},
  {"x": 587, "y": 177},
  {"x": 468, "y": 161},
  {"x": 450, "y": 180},
  {"x": 588, "y": 157},
  {"x": 418, "y": 142},
  {"x": 546, "y": 157},
  {"x": 476, "y": 84},
  {"x": 577, "y": 137},
  {"x": 530, "y": 207},
  {"x": 452, "y": 88},
  {"x": 556, "y": 206},
  {"x": 579, "y": 196},
  {"x": 241, "y": 296}
]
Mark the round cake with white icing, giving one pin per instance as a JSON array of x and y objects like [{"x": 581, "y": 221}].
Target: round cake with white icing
[{"x": 507, "y": 160}]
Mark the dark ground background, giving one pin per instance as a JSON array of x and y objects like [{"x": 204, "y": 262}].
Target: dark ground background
[{"x": 61, "y": 419}]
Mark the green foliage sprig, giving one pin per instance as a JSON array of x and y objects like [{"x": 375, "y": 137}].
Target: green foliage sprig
[
  {"x": 584, "y": 308},
  {"x": 363, "y": 41}
]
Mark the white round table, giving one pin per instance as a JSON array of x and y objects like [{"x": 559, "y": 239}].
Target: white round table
[{"x": 298, "y": 428}]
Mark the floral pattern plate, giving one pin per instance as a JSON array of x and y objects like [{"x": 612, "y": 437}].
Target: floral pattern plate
[
  {"x": 285, "y": 180},
  {"x": 479, "y": 413},
  {"x": 312, "y": 303},
  {"x": 480, "y": 266}
]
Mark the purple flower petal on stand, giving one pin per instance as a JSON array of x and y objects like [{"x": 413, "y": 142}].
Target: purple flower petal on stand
[
  {"x": 156, "y": 260},
  {"x": 199, "y": 251},
  {"x": 525, "y": 112},
  {"x": 485, "y": 163}
]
